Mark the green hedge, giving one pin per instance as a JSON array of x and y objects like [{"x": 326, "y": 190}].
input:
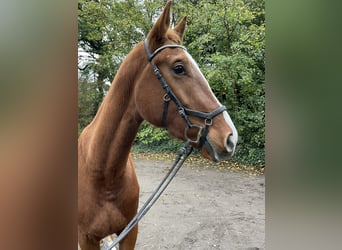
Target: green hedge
[{"x": 156, "y": 140}]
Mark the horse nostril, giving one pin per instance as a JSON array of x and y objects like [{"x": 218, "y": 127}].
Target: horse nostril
[{"x": 229, "y": 143}]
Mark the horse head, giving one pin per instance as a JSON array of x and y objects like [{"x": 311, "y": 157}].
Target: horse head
[{"x": 172, "y": 92}]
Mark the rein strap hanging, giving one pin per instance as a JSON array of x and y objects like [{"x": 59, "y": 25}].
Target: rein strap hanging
[{"x": 183, "y": 154}]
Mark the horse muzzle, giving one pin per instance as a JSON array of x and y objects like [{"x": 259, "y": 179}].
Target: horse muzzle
[{"x": 215, "y": 153}]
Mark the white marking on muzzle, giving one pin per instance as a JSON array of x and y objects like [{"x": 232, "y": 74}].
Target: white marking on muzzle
[{"x": 234, "y": 137}]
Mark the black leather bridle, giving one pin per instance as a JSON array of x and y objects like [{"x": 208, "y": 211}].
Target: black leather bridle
[{"x": 183, "y": 111}]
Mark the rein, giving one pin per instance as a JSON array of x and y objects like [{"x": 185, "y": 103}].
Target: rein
[{"x": 184, "y": 152}]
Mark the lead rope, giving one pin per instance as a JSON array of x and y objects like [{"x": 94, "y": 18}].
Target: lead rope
[{"x": 183, "y": 154}]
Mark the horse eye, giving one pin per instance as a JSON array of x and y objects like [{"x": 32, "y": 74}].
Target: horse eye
[{"x": 179, "y": 70}]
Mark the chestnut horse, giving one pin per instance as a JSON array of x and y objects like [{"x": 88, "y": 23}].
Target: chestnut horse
[{"x": 108, "y": 190}]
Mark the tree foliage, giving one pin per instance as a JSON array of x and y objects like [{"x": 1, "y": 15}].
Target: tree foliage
[
  {"x": 226, "y": 38},
  {"x": 88, "y": 98}
]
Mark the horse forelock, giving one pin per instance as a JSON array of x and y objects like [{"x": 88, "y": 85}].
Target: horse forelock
[{"x": 172, "y": 36}]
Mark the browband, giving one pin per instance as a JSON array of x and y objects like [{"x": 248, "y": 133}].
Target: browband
[{"x": 150, "y": 55}]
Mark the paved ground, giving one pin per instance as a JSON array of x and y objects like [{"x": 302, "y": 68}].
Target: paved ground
[{"x": 203, "y": 208}]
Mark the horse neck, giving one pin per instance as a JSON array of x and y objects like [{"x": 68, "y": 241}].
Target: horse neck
[{"x": 117, "y": 121}]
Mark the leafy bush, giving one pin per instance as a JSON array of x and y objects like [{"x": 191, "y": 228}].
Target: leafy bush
[
  {"x": 249, "y": 155},
  {"x": 151, "y": 135},
  {"x": 88, "y": 100},
  {"x": 152, "y": 139}
]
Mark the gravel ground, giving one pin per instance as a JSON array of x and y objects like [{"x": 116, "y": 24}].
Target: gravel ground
[{"x": 204, "y": 207}]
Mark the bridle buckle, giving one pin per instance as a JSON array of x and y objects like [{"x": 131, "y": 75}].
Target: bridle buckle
[
  {"x": 208, "y": 122},
  {"x": 167, "y": 98}
]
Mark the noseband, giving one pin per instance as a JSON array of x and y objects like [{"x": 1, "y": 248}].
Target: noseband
[{"x": 183, "y": 111}]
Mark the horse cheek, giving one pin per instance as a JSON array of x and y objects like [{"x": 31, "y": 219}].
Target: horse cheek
[{"x": 148, "y": 105}]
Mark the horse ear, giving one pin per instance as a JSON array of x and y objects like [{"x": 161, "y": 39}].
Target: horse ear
[
  {"x": 180, "y": 27},
  {"x": 160, "y": 28}
]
